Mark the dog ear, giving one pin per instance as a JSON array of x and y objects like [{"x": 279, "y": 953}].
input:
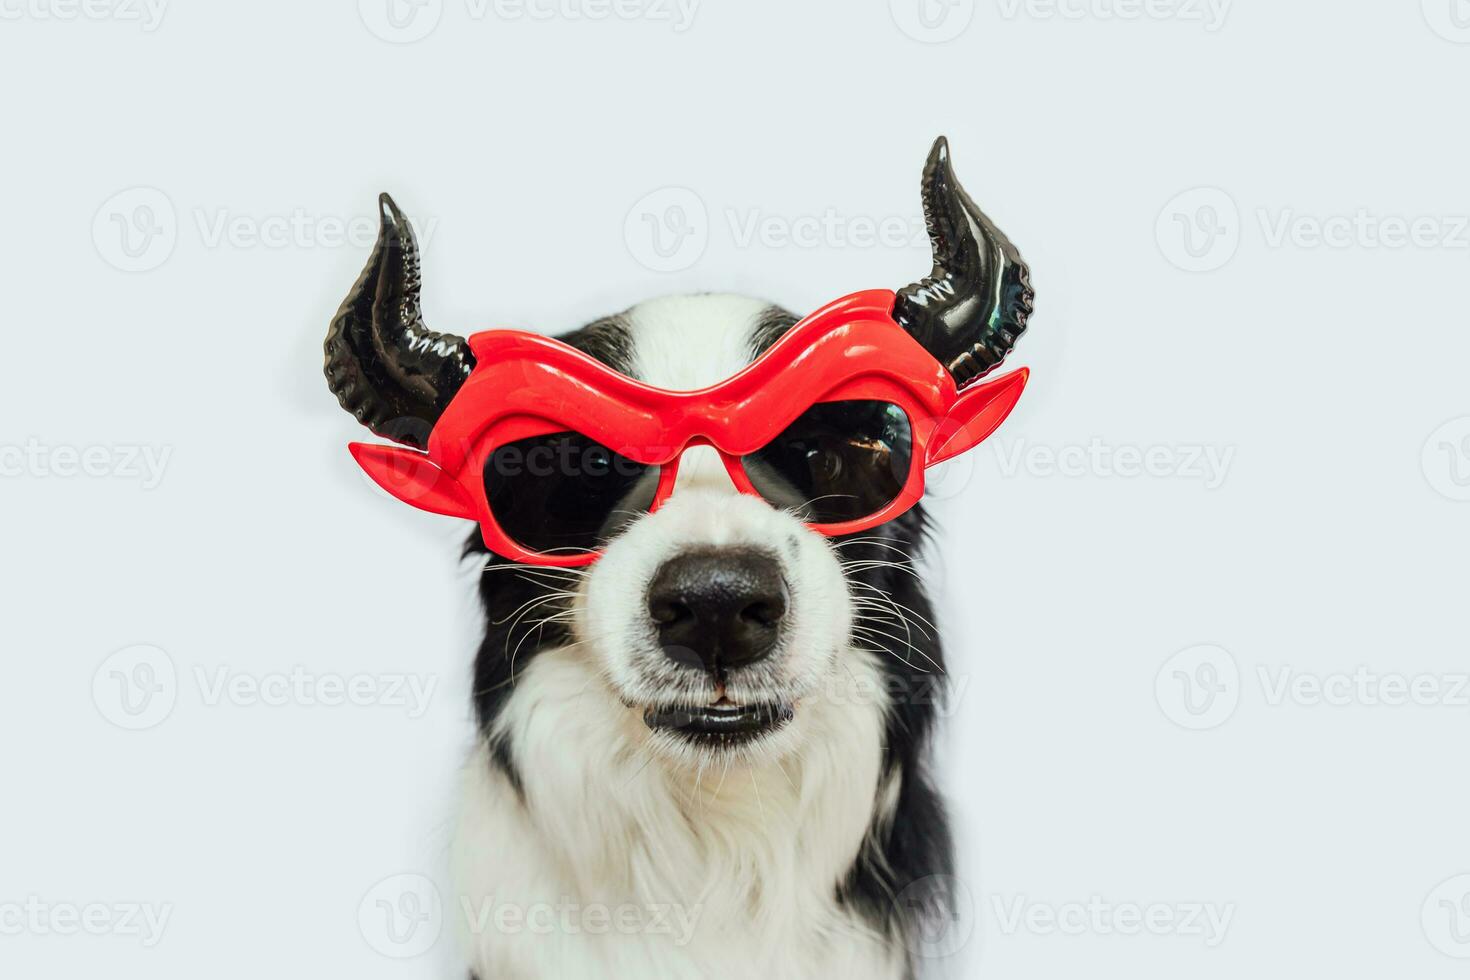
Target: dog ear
[
  {"x": 413, "y": 478},
  {"x": 977, "y": 413}
]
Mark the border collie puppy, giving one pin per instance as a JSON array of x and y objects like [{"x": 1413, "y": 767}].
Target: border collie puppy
[{"x": 764, "y": 811}]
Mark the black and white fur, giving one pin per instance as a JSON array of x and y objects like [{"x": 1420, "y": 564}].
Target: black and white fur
[
  {"x": 817, "y": 848},
  {"x": 809, "y": 853}
]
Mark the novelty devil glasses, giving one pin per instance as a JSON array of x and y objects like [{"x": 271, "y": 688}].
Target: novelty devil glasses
[{"x": 549, "y": 450}]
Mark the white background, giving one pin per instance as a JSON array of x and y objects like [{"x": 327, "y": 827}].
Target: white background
[{"x": 525, "y": 148}]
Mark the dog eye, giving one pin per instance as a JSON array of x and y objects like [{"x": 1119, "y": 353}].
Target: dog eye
[
  {"x": 564, "y": 492},
  {"x": 838, "y": 461},
  {"x": 825, "y": 462}
]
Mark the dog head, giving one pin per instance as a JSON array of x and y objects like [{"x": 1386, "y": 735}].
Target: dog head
[{"x": 716, "y": 617}]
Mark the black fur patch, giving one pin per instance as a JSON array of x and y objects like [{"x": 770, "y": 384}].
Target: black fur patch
[
  {"x": 607, "y": 340},
  {"x": 901, "y": 879},
  {"x": 772, "y": 323},
  {"x": 516, "y": 626},
  {"x": 500, "y": 754}
]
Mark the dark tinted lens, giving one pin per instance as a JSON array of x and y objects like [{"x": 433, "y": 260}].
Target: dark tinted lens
[
  {"x": 563, "y": 492},
  {"x": 840, "y": 461}
]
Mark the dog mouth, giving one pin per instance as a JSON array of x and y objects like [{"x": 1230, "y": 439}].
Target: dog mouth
[{"x": 722, "y": 723}]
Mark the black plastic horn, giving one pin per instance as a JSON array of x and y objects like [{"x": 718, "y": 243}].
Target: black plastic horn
[
  {"x": 970, "y": 311},
  {"x": 385, "y": 367}
]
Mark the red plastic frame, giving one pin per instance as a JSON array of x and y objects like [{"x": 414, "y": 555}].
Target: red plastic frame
[{"x": 525, "y": 384}]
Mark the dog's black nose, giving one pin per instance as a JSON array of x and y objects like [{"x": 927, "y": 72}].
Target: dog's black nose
[{"x": 718, "y": 608}]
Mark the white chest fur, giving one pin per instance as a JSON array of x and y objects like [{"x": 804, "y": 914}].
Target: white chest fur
[{"x": 617, "y": 865}]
